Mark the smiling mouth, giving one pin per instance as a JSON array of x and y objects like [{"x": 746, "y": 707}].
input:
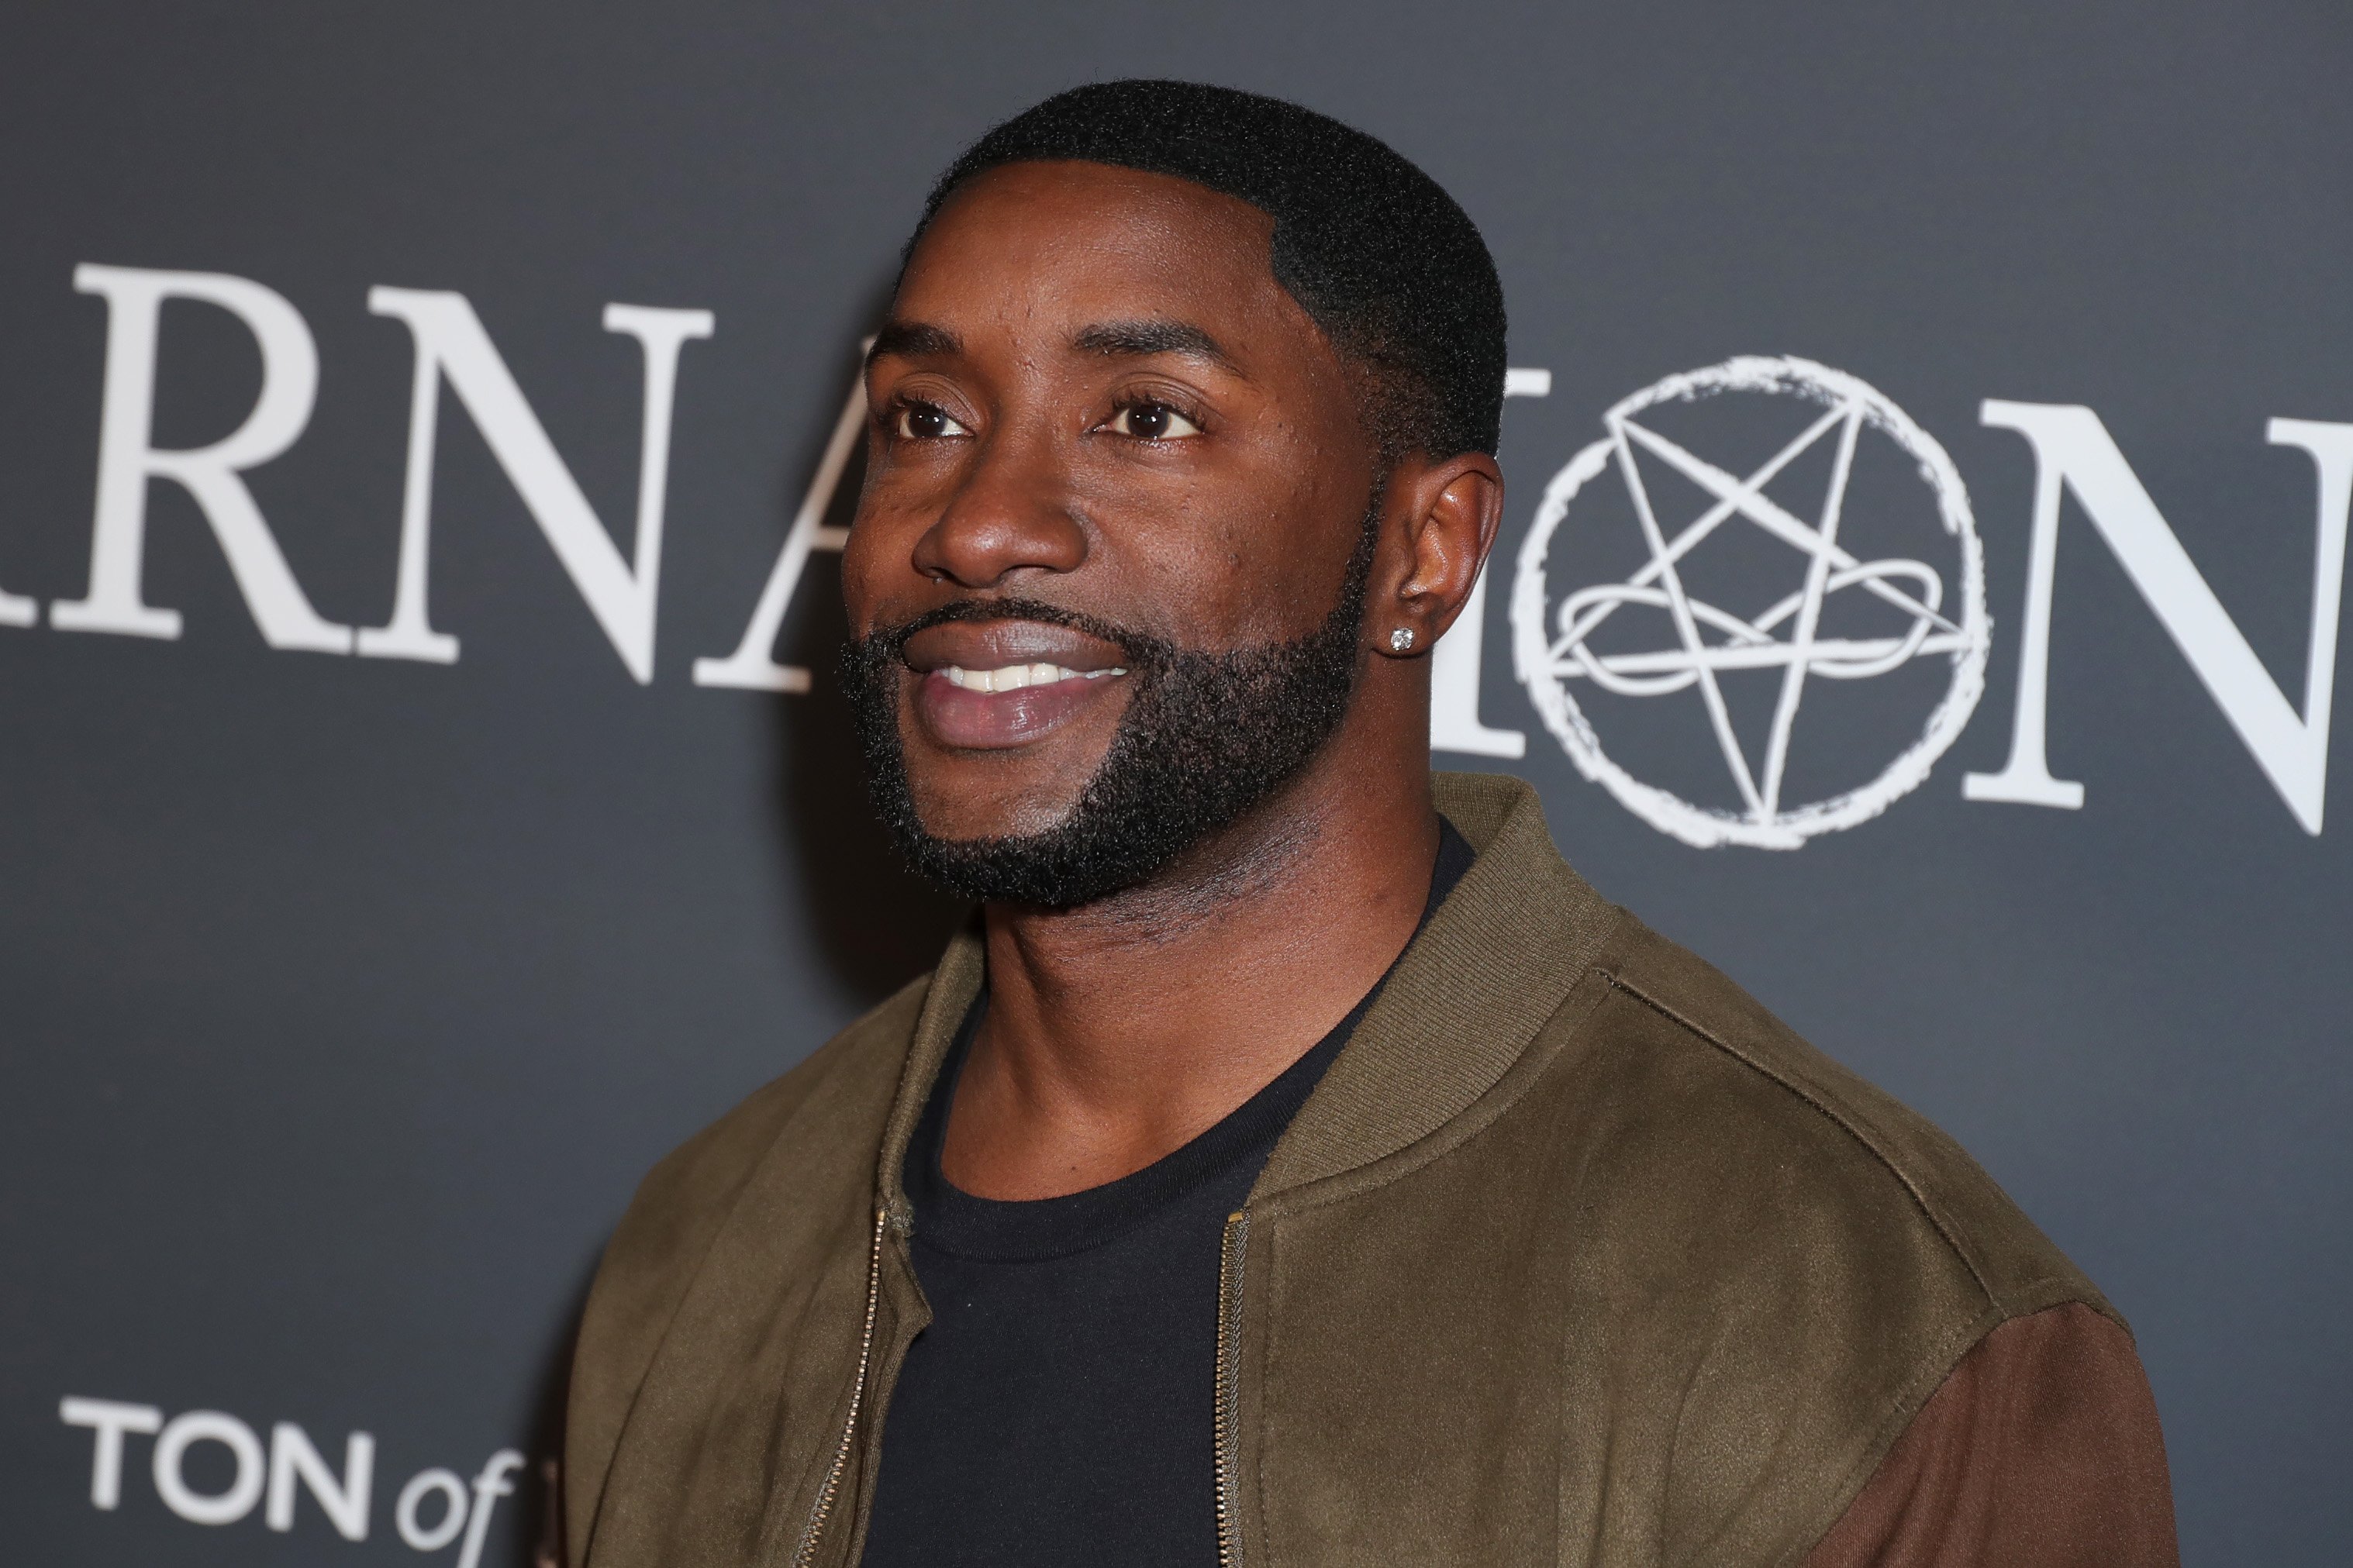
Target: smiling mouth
[
  {"x": 1008, "y": 679},
  {"x": 1010, "y": 705},
  {"x": 1016, "y": 677}
]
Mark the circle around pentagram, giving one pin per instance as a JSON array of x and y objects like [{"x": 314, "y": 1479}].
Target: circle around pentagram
[{"x": 1535, "y": 657}]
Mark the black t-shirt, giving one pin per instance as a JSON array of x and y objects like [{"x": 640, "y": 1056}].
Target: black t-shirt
[{"x": 1060, "y": 1408}]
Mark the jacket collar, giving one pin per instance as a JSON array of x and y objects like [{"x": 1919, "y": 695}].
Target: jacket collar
[
  {"x": 1495, "y": 961},
  {"x": 954, "y": 983}
]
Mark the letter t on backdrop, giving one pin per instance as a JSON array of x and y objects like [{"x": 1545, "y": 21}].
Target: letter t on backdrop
[{"x": 109, "y": 1419}]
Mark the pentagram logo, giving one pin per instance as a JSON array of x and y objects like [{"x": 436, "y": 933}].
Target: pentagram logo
[{"x": 1821, "y": 557}]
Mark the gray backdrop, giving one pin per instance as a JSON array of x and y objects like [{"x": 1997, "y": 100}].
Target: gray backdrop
[{"x": 348, "y": 996}]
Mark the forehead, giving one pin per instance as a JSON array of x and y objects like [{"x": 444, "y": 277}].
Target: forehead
[{"x": 1047, "y": 247}]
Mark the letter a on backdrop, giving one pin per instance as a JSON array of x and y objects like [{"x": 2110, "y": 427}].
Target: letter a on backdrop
[{"x": 753, "y": 666}]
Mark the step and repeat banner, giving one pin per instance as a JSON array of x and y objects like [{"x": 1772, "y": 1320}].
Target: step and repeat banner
[{"x": 426, "y": 437}]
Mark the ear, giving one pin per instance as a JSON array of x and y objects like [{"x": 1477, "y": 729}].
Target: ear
[{"x": 1443, "y": 515}]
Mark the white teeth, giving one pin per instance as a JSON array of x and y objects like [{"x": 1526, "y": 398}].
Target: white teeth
[{"x": 1014, "y": 676}]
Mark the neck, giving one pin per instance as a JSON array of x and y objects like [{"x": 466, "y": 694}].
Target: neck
[{"x": 1118, "y": 1032}]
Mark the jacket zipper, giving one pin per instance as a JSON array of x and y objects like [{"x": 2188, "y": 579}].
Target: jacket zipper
[
  {"x": 1229, "y": 1322},
  {"x": 806, "y": 1553}
]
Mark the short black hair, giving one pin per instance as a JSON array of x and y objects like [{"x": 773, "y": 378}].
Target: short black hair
[{"x": 1385, "y": 263}]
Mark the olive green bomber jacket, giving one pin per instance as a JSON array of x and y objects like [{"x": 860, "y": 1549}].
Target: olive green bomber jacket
[{"x": 1577, "y": 1255}]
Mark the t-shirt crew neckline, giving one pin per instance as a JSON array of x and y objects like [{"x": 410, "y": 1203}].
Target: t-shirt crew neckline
[{"x": 1037, "y": 1229}]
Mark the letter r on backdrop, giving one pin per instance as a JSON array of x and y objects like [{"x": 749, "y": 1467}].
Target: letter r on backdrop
[{"x": 128, "y": 460}]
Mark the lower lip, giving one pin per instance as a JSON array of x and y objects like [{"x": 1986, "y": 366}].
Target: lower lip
[{"x": 956, "y": 716}]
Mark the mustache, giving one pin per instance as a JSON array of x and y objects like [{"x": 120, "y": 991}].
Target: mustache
[{"x": 1137, "y": 648}]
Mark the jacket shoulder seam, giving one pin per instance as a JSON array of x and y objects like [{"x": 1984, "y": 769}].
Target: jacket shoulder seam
[
  {"x": 1838, "y": 1119},
  {"x": 1899, "y": 1414}
]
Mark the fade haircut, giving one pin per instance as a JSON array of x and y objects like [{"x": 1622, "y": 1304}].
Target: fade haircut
[{"x": 1385, "y": 262}]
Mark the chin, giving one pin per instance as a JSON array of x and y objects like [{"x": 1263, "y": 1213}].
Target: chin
[{"x": 971, "y": 810}]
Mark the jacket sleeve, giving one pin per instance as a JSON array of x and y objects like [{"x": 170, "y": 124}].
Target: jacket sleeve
[{"x": 2041, "y": 1450}]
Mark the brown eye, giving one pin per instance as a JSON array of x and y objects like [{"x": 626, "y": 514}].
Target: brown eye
[
  {"x": 925, "y": 422},
  {"x": 1151, "y": 422}
]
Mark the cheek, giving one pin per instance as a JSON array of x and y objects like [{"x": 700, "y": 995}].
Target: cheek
[
  {"x": 1192, "y": 571},
  {"x": 1285, "y": 557},
  {"x": 1243, "y": 550},
  {"x": 878, "y": 562},
  {"x": 858, "y": 578},
  {"x": 1225, "y": 573}
]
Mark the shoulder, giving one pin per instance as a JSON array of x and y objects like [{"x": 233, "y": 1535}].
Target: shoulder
[
  {"x": 824, "y": 1119},
  {"x": 1781, "y": 1261},
  {"x": 831, "y": 1106},
  {"x": 1851, "y": 1165},
  {"x": 2042, "y": 1447}
]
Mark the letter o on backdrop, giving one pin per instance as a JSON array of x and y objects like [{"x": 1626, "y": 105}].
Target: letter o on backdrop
[
  {"x": 453, "y": 1510},
  {"x": 209, "y": 1427}
]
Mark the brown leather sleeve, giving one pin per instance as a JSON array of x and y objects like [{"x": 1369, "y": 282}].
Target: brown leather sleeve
[{"x": 2041, "y": 1450}]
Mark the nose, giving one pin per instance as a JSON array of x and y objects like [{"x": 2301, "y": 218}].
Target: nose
[{"x": 1010, "y": 513}]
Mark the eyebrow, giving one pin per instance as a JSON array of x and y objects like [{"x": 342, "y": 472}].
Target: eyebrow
[
  {"x": 921, "y": 340},
  {"x": 914, "y": 340},
  {"x": 1154, "y": 337}
]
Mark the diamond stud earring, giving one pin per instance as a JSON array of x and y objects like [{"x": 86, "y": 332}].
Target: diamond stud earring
[{"x": 1401, "y": 640}]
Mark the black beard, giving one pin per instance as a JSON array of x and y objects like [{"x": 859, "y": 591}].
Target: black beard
[{"x": 1207, "y": 738}]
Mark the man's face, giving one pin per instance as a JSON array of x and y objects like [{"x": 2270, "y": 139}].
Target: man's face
[{"x": 1118, "y": 489}]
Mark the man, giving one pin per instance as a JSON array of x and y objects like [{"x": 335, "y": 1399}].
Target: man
[{"x": 1296, "y": 1162}]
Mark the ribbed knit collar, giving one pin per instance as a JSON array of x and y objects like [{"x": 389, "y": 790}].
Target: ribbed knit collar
[
  {"x": 1032, "y": 1230},
  {"x": 1469, "y": 992}
]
